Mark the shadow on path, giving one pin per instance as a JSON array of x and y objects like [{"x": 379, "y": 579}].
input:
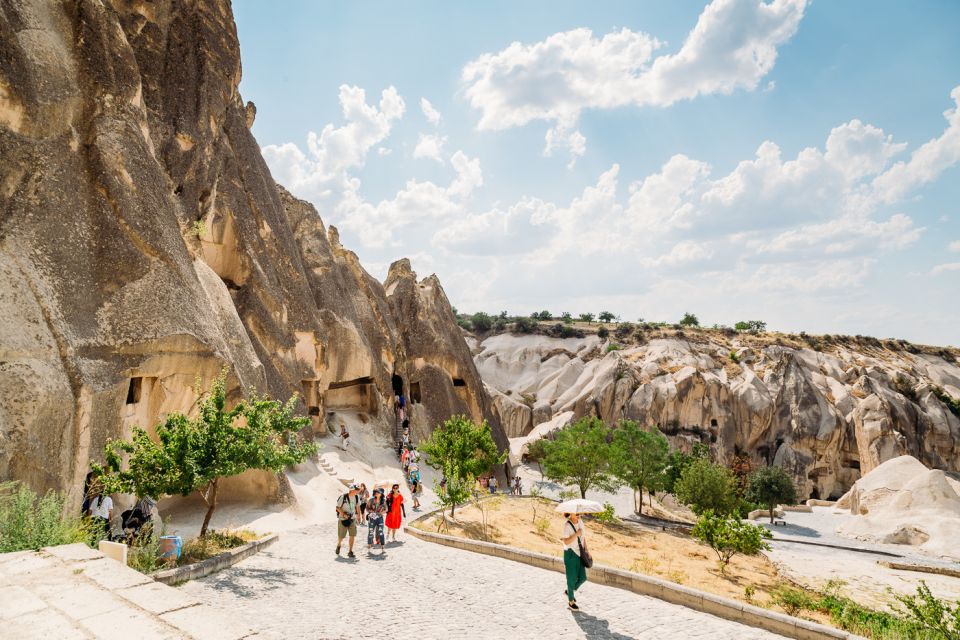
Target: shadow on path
[
  {"x": 595, "y": 628},
  {"x": 250, "y": 582}
]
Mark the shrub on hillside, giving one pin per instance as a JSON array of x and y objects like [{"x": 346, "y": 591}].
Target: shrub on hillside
[
  {"x": 689, "y": 320},
  {"x": 524, "y": 325},
  {"x": 730, "y": 536},
  {"x": 481, "y": 321},
  {"x": 603, "y": 333}
]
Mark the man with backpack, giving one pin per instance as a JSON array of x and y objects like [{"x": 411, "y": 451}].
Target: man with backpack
[{"x": 348, "y": 512}]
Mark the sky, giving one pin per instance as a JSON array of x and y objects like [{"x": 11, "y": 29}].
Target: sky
[{"x": 792, "y": 161}]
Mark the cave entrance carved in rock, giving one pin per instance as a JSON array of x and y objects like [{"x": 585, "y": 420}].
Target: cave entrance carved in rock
[{"x": 358, "y": 394}]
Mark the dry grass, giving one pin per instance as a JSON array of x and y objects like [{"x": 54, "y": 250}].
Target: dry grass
[
  {"x": 670, "y": 556},
  {"x": 215, "y": 543}
]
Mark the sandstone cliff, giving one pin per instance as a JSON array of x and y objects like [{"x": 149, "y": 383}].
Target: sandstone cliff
[
  {"x": 827, "y": 415},
  {"x": 143, "y": 244}
]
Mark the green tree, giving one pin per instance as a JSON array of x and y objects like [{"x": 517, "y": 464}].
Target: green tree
[
  {"x": 730, "y": 536},
  {"x": 194, "y": 454},
  {"x": 461, "y": 450},
  {"x": 587, "y": 317},
  {"x": 481, "y": 321},
  {"x": 542, "y": 315},
  {"x": 770, "y": 486},
  {"x": 751, "y": 326},
  {"x": 689, "y": 320},
  {"x": 567, "y": 317},
  {"x": 677, "y": 461},
  {"x": 606, "y": 316},
  {"x": 580, "y": 455},
  {"x": 639, "y": 459},
  {"x": 704, "y": 486}
]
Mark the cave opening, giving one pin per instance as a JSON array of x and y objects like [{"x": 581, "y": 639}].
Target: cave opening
[
  {"x": 459, "y": 382},
  {"x": 415, "y": 393},
  {"x": 134, "y": 390},
  {"x": 397, "y": 382}
]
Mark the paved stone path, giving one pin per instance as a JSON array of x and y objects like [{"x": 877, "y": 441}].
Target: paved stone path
[{"x": 298, "y": 588}]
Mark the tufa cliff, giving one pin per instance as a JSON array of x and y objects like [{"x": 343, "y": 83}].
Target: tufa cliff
[
  {"x": 827, "y": 415},
  {"x": 144, "y": 245}
]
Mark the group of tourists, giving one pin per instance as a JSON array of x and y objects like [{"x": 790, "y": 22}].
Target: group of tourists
[
  {"x": 97, "y": 506},
  {"x": 377, "y": 510},
  {"x": 491, "y": 484}
]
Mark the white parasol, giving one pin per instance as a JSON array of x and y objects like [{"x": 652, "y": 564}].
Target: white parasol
[{"x": 579, "y": 506}]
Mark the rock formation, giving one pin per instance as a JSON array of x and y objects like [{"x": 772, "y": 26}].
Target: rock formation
[
  {"x": 144, "y": 244},
  {"x": 903, "y": 502},
  {"x": 826, "y": 415}
]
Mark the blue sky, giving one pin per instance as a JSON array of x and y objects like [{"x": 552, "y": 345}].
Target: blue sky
[{"x": 785, "y": 160}]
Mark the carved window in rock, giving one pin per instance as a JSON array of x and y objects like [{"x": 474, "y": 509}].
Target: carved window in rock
[
  {"x": 135, "y": 390},
  {"x": 415, "y": 397}
]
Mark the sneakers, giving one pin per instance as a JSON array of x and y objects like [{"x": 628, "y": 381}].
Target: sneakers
[
  {"x": 338, "y": 550},
  {"x": 350, "y": 555},
  {"x": 573, "y": 606}
]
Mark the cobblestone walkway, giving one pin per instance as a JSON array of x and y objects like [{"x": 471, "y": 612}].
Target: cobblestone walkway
[{"x": 298, "y": 588}]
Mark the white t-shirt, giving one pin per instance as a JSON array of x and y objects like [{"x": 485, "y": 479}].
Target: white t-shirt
[
  {"x": 568, "y": 530},
  {"x": 100, "y": 508}
]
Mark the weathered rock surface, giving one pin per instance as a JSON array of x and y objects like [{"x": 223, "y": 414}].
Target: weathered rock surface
[
  {"x": 827, "y": 417},
  {"x": 903, "y": 502},
  {"x": 143, "y": 243}
]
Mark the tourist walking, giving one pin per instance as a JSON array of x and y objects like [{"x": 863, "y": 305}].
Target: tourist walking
[
  {"x": 517, "y": 486},
  {"x": 348, "y": 513},
  {"x": 573, "y": 544},
  {"x": 376, "y": 509},
  {"x": 493, "y": 484},
  {"x": 344, "y": 437},
  {"x": 395, "y": 512}
]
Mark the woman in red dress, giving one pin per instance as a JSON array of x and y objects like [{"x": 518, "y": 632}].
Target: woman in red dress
[{"x": 395, "y": 509}]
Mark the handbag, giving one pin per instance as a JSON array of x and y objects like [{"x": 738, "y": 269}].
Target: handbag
[{"x": 585, "y": 558}]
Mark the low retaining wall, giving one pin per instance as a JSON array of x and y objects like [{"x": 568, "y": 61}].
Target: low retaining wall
[
  {"x": 646, "y": 585},
  {"x": 921, "y": 567},
  {"x": 216, "y": 563}
]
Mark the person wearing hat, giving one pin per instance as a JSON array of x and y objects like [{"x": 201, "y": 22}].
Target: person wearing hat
[{"x": 348, "y": 513}]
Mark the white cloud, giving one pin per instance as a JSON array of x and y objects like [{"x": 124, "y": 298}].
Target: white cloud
[
  {"x": 384, "y": 151},
  {"x": 561, "y": 137},
  {"x": 417, "y": 204},
  {"x": 954, "y": 246},
  {"x": 430, "y": 145},
  {"x": 429, "y": 112},
  {"x": 733, "y": 46},
  {"x": 926, "y": 163},
  {"x": 322, "y": 173},
  {"x": 945, "y": 268}
]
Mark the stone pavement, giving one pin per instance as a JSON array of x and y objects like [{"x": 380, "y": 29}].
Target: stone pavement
[
  {"x": 298, "y": 588},
  {"x": 73, "y": 591}
]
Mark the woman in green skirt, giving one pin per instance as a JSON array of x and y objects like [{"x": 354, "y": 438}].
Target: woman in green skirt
[{"x": 573, "y": 541}]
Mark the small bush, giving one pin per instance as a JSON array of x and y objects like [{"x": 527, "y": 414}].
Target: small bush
[
  {"x": 932, "y": 614},
  {"x": 213, "y": 544},
  {"x": 481, "y": 321},
  {"x": 28, "y": 522},
  {"x": 793, "y": 600},
  {"x": 603, "y": 333},
  {"x": 730, "y": 536},
  {"x": 524, "y": 325},
  {"x": 733, "y": 357},
  {"x": 613, "y": 347},
  {"x": 144, "y": 554},
  {"x": 689, "y": 320},
  {"x": 543, "y": 525},
  {"x": 606, "y": 517}
]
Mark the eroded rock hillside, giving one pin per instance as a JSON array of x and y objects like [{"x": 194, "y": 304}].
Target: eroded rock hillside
[
  {"x": 144, "y": 244},
  {"x": 827, "y": 415}
]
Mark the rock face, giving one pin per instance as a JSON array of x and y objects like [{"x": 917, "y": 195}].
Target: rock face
[
  {"x": 144, "y": 244},
  {"x": 903, "y": 502},
  {"x": 826, "y": 417}
]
